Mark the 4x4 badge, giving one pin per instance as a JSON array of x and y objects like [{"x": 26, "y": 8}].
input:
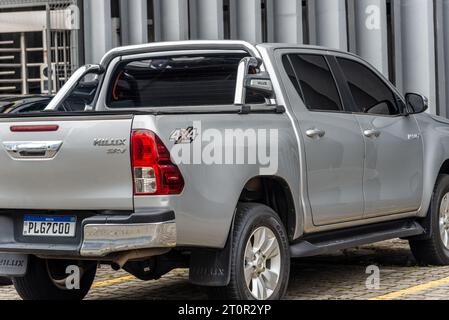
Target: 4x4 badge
[{"x": 184, "y": 136}]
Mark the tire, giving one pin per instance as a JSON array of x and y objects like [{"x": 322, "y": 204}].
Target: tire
[
  {"x": 251, "y": 221},
  {"x": 45, "y": 280},
  {"x": 434, "y": 251},
  {"x": 5, "y": 282}
]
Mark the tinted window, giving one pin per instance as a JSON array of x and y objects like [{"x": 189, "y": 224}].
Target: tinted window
[
  {"x": 33, "y": 107},
  {"x": 371, "y": 94},
  {"x": 314, "y": 82},
  {"x": 82, "y": 95},
  {"x": 192, "y": 80}
]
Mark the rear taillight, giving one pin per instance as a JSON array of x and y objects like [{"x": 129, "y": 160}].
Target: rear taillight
[{"x": 153, "y": 171}]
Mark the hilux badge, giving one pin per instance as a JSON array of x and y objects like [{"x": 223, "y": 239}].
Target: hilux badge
[{"x": 109, "y": 142}]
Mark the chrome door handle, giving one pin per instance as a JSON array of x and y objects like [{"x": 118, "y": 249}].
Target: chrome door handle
[
  {"x": 315, "y": 133},
  {"x": 371, "y": 133},
  {"x": 32, "y": 150}
]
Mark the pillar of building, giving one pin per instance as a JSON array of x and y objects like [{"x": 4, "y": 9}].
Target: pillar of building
[
  {"x": 330, "y": 24},
  {"x": 287, "y": 21},
  {"x": 98, "y": 29},
  {"x": 444, "y": 51},
  {"x": 371, "y": 34},
  {"x": 171, "y": 20},
  {"x": 206, "y": 19},
  {"x": 249, "y": 20},
  {"x": 417, "y": 41},
  {"x": 134, "y": 21}
]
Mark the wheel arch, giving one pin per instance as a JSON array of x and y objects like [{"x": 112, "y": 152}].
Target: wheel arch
[
  {"x": 444, "y": 169},
  {"x": 274, "y": 192}
]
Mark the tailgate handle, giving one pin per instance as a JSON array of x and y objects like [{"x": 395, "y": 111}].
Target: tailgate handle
[{"x": 32, "y": 150}]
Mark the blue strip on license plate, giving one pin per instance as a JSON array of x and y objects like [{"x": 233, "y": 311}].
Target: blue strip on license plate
[{"x": 50, "y": 218}]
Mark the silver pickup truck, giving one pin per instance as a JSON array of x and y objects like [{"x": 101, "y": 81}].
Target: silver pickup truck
[{"x": 222, "y": 157}]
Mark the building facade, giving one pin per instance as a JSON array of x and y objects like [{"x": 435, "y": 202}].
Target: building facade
[{"x": 407, "y": 40}]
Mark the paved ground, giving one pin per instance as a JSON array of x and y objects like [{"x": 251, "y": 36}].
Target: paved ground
[{"x": 339, "y": 276}]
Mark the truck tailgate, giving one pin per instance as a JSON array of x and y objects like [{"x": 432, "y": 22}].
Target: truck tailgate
[{"x": 66, "y": 163}]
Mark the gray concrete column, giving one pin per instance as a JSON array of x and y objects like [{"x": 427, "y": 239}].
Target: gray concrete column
[
  {"x": 418, "y": 49},
  {"x": 397, "y": 26},
  {"x": 124, "y": 22},
  {"x": 440, "y": 59},
  {"x": 233, "y": 18},
  {"x": 311, "y": 17},
  {"x": 134, "y": 21},
  {"x": 269, "y": 28},
  {"x": 371, "y": 32},
  {"x": 157, "y": 20},
  {"x": 287, "y": 21},
  {"x": 172, "y": 19},
  {"x": 98, "y": 29},
  {"x": 444, "y": 109},
  {"x": 208, "y": 20},
  {"x": 330, "y": 19},
  {"x": 249, "y": 20}
]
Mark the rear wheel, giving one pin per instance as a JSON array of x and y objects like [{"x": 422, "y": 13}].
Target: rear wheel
[
  {"x": 5, "y": 281},
  {"x": 53, "y": 279},
  {"x": 435, "y": 250},
  {"x": 260, "y": 256}
]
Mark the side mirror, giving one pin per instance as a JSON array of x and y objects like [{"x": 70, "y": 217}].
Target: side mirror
[
  {"x": 416, "y": 103},
  {"x": 249, "y": 77}
]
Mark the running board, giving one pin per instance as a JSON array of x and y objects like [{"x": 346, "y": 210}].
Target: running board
[{"x": 328, "y": 242}]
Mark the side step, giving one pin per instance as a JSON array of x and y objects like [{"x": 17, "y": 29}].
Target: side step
[{"x": 328, "y": 242}]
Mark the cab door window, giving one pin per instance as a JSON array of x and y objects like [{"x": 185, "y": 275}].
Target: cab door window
[
  {"x": 370, "y": 93},
  {"x": 312, "y": 78}
]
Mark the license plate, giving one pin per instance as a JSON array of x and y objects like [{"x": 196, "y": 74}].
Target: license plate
[{"x": 49, "y": 226}]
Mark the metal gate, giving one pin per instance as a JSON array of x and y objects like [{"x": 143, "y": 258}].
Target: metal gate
[{"x": 38, "y": 45}]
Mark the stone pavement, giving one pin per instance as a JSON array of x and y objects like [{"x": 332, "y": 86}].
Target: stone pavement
[{"x": 337, "y": 277}]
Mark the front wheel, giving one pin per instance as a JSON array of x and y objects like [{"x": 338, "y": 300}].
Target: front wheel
[
  {"x": 435, "y": 250},
  {"x": 260, "y": 256},
  {"x": 49, "y": 279}
]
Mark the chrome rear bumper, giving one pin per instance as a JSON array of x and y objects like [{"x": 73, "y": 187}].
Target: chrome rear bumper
[{"x": 101, "y": 240}]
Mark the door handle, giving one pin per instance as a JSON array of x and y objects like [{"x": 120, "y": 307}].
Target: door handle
[
  {"x": 315, "y": 133},
  {"x": 371, "y": 133},
  {"x": 32, "y": 150}
]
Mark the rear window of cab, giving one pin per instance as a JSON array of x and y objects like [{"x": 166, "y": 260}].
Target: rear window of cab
[{"x": 168, "y": 81}]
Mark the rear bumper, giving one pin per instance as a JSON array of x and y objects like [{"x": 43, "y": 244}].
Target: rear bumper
[
  {"x": 99, "y": 236},
  {"x": 103, "y": 237}
]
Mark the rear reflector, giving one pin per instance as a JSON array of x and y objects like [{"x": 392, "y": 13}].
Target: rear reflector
[
  {"x": 34, "y": 128},
  {"x": 153, "y": 171}
]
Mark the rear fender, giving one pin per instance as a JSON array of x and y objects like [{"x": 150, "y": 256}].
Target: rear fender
[{"x": 212, "y": 267}]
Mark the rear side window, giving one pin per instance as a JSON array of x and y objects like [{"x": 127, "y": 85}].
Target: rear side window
[
  {"x": 82, "y": 95},
  {"x": 191, "y": 80},
  {"x": 312, "y": 78},
  {"x": 371, "y": 94},
  {"x": 33, "y": 107}
]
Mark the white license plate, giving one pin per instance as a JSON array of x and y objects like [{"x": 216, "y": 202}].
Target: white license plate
[{"x": 49, "y": 226}]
